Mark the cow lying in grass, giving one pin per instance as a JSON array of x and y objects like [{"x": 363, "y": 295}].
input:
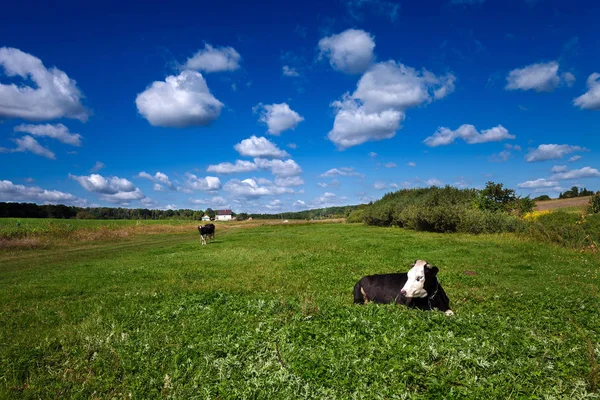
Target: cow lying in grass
[
  {"x": 417, "y": 288},
  {"x": 207, "y": 230}
]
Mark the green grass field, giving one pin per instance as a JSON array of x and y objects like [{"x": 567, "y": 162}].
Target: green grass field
[{"x": 266, "y": 312}]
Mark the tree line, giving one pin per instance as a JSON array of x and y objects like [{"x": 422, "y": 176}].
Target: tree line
[{"x": 32, "y": 210}]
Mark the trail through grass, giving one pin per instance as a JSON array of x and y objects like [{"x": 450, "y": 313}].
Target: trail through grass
[{"x": 267, "y": 313}]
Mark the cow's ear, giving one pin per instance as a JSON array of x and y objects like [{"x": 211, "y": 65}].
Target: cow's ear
[{"x": 434, "y": 270}]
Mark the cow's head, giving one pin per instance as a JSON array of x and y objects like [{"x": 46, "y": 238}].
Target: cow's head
[{"x": 422, "y": 280}]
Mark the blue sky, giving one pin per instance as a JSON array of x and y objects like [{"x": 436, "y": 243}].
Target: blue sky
[{"x": 268, "y": 107}]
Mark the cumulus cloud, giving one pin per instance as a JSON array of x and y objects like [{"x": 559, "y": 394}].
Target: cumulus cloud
[
  {"x": 289, "y": 181},
  {"x": 27, "y": 143},
  {"x": 289, "y": 71},
  {"x": 214, "y": 59},
  {"x": 250, "y": 188},
  {"x": 538, "y": 183},
  {"x": 278, "y": 117},
  {"x": 179, "y": 101},
  {"x": 411, "y": 164},
  {"x": 434, "y": 182},
  {"x": 99, "y": 184},
  {"x": 215, "y": 201},
  {"x": 34, "y": 194},
  {"x": 445, "y": 136},
  {"x": 229, "y": 168},
  {"x": 343, "y": 171},
  {"x": 541, "y": 77},
  {"x": 279, "y": 168},
  {"x": 328, "y": 199},
  {"x": 333, "y": 184},
  {"x": 52, "y": 95},
  {"x": 585, "y": 172},
  {"x": 552, "y": 152},
  {"x": 390, "y": 165},
  {"x": 378, "y": 105},
  {"x": 124, "y": 197},
  {"x": 209, "y": 183},
  {"x": 350, "y": 52},
  {"x": 591, "y": 99},
  {"x": 380, "y": 186},
  {"x": 575, "y": 158},
  {"x": 259, "y": 147},
  {"x": 98, "y": 166},
  {"x": 158, "y": 178},
  {"x": 58, "y": 132}
]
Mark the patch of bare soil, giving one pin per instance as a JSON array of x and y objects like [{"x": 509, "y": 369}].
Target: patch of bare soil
[{"x": 561, "y": 203}]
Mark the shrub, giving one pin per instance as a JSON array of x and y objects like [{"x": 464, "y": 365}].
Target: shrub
[
  {"x": 594, "y": 205},
  {"x": 356, "y": 216}
]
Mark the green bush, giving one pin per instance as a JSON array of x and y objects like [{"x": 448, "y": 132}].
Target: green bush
[
  {"x": 594, "y": 205},
  {"x": 356, "y": 216}
]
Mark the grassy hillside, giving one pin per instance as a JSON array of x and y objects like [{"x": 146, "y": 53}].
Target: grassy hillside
[{"x": 266, "y": 312}]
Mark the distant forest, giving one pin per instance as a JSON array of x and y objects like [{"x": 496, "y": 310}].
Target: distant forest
[{"x": 32, "y": 210}]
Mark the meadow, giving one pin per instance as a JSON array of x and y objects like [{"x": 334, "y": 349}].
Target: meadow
[{"x": 266, "y": 311}]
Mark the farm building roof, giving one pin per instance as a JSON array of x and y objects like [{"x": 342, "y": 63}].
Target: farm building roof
[{"x": 224, "y": 212}]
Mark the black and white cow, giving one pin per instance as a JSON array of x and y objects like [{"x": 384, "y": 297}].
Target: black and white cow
[
  {"x": 207, "y": 230},
  {"x": 417, "y": 288}
]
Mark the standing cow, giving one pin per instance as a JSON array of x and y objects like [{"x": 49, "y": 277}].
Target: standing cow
[
  {"x": 417, "y": 288},
  {"x": 207, "y": 230}
]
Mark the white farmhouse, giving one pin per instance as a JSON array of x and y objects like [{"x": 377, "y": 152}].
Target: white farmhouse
[
  {"x": 223, "y": 215},
  {"x": 205, "y": 217}
]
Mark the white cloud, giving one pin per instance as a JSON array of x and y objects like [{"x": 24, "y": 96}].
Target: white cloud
[
  {"x": 292, "y": 145},
  {"x": 538, "y": 183},
  {"x": 52, "y": 95},
  {"x": 214, "y": 59},
  {"x": 559, "y": 168},
  {"x": 350, "y": 52},
  {"x": 591, "y": 99},
  {"x": 343, "y": 171},
  {"x": 98, "y": 166},
  {"x": 278, "y": 117},
  {"x": 159, "y": 188},
  {"x": 179, "y": 101},
  {"x": 58, "y": 132},
  {"x": 328, "y": 199},
  {"x": 380, "y": 186},
  {"x": 354, "y": 126},
  {"x": 551, "y": 152},
  {"x": 503, "y": 156},
  {"x": 585, "y": 172},
  {"x": 299, "y": 204},
  {"x": 289, "y": 181},
  {"x": 411, "y": 164},
  {"x": 445, "y": 136},
  {"x": 215, "y": 201},
  {"x": 372, "y": 154},
  {"x": 289, "y": 71},
  {"x": 27, "y": 143},
  {"x": 124, "y": 197},
  {"x": 11, "y": 192},
  {"x": 158, "y": 178},
  {"x": 382, "y": 96},
  {"x": 434, "y": 182},
  {"x": 279, "y": 168},
  {"x": 274, "y": 205},
  {"x": 250, "y": 188},
  {"x": 259, "y": 147},
  {"x": 99, "y": 184},
  {"x": 333, "y": 184},
  {"x": 541, "y": 77},
  {"x": 209, "y": 183},
  {"x": 390, "y": 165},
  {"x": 229, "y": 168},
  {"x": 575, "y": 158}
]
